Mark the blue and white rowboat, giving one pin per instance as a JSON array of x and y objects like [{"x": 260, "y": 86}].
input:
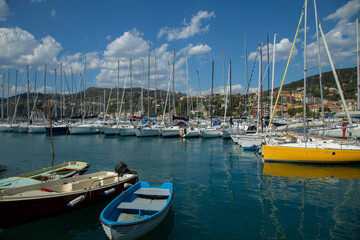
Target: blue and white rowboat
[{"x": 137, "y": 211}]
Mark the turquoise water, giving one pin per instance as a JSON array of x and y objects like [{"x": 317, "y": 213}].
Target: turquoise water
[{"x": 221, "y": 192}]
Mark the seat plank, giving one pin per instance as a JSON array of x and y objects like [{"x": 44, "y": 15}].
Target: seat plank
[
  {"x": 141, "y": 206},
  {"x": 156, "y": 192}
]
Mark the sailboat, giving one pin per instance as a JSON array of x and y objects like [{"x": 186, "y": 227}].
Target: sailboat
[
  {"x": 308, "y": 150},
  {"x": 211, "y": 131}
]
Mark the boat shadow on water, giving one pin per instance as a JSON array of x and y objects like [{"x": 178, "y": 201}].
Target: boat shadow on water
[{"x": 80, "y": 224}]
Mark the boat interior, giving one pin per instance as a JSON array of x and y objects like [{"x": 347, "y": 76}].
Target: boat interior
[
  {"x": 79, "y": 183},
  {"x": 142, "y": 204}
]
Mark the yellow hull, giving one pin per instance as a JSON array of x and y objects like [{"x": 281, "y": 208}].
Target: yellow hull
[
  {"x": 309, "y": 155},
  {"x": 294, "y": 170}
]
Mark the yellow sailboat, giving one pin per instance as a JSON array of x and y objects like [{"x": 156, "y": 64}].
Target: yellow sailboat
[{"x": 306, "y": 150}]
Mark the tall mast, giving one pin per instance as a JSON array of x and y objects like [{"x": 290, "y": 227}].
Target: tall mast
[
  {"x": 358, "y": 63},
  {"x": 61, "y": 93},
  {"x": 8, "y": 94},
  {"x": 187, "y": 81},
  {"x": 305, "y": 55},
  {"x": 72, "y": 91},
  {"x": 259, "y": 89},
  {"x": 142, "y": 86},
  {"x": 85, "y": 90},
  {"x": 230, "y": 100},
  {"x": 319, "y": 60},
  {"x": 2, "y": 99},
  {"x": 55, "y": 96},
  {"x": 173, "y": 85},
  {"x": 268, "y": 66},
  {"x": 15, "y": 104},
  {"x": 155, "y": 83},
  {"x": 273, "y": 76},
  {"x": 212, "y": 90},
  {"x": 223, "y": 62},
  {"x": 131, "y": 107},
  {"x": 28, "y": 93},
  {"x": 117, "y": 92},
  {"x": 198, "y": 92},
  {"x": 149, "y": 83},
  {"x": 44, "y": 103}
]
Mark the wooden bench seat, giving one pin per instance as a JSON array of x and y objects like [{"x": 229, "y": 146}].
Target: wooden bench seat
[{"x": 141, "y": 206}]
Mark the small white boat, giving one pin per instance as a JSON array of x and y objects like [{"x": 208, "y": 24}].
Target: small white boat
[
  {"x": 28, "y": 203},
  {"x": 137, "y": 211},
  {"x": 211, "y": 132},
  {"x": 40, "y": 128},
  {"x": 59, "y": 171},
  {"x": 191, "y": 132},
  {"x": 171, "y": 131},
  {"x": 88, "y": 128},
  {"x": 148, "y": 131}
]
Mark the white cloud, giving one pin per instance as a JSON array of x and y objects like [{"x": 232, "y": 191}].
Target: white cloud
[
  {"x": 130, "y": 44},
  {"x": 4, "y": 10},
  {"x": 347, "y": 11},
  {"x": 108, "y": 37},
  {"x": 189, "y": 29},
  {"x": 199, "y": 49},
  {"x": 53, "y": 13},
  {"x": 37, "y": 1}
]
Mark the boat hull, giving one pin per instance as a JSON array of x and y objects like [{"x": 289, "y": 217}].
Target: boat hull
[
  {"x": 77, "y": 130},
  {"x": 211, "y": 133},
  {"x": 137, "y": 228},
  {"x": 20, "y": 211},
  {"x": 309, "y": 155},
  {"x": 147, "y": 132}
]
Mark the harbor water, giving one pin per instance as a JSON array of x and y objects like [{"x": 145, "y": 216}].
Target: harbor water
[{"x": 220, "y": 191}]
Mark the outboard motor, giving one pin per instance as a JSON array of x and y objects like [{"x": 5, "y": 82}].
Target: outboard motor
[{"x": 121, "y": 168}]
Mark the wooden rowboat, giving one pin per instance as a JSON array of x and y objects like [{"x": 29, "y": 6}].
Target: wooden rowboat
[
  {"x": 28, "y": 203},
  {"x": 137, "y": 211},
  {"x": 59, "y": 171}
]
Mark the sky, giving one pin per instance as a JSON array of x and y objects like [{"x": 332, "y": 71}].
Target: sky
[{"x": 65, "y": 33}]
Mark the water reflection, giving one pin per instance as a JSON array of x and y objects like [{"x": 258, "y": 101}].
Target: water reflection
[{"x": 293, "y": 170}]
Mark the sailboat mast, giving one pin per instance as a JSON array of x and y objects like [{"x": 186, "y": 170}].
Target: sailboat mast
[
  {"x": 173, "y": 84},
  {"x": 28, "y": 93},
  {"x": 55, "y": 95},
  {"x": 44, "y": 88},
  {"x": 358, "y": 63},
  {"x": 223, "y": 62},
  {"x": 117, "y": 92},
  {"x": 320, "y": 74},
  {"x": 187, "y": 81},
  {"x": 259, "y": 89},
  {"x": 72, "y": 92},
  {"x": 85, "y": 89},
  {"x": 2, "y": 99},
  {"x": 142, "y": 86},
  {"x": 131, "y": 100},
  {"x": 230, "y": 100},
  {"x": 149, "y": 83},
  {"x": 268, "y": 66},
  {"x": 15, "y": 103},
  {"x": 273, "y": 76},
  {"x": 305, "y": 55},
  {"x": 8, "y": 97},
  {"x": 212, "y": 91},
  {"x": 61, "y": 93},
  {"x": 155, "y": 83},
  {"x": 198, "y": 92}
]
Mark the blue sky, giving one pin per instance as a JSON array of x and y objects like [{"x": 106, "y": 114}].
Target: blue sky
[{"x": 39, "y": 32}]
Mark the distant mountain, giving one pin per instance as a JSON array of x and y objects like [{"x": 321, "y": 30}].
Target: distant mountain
[{"x": 347, "y": 77}]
